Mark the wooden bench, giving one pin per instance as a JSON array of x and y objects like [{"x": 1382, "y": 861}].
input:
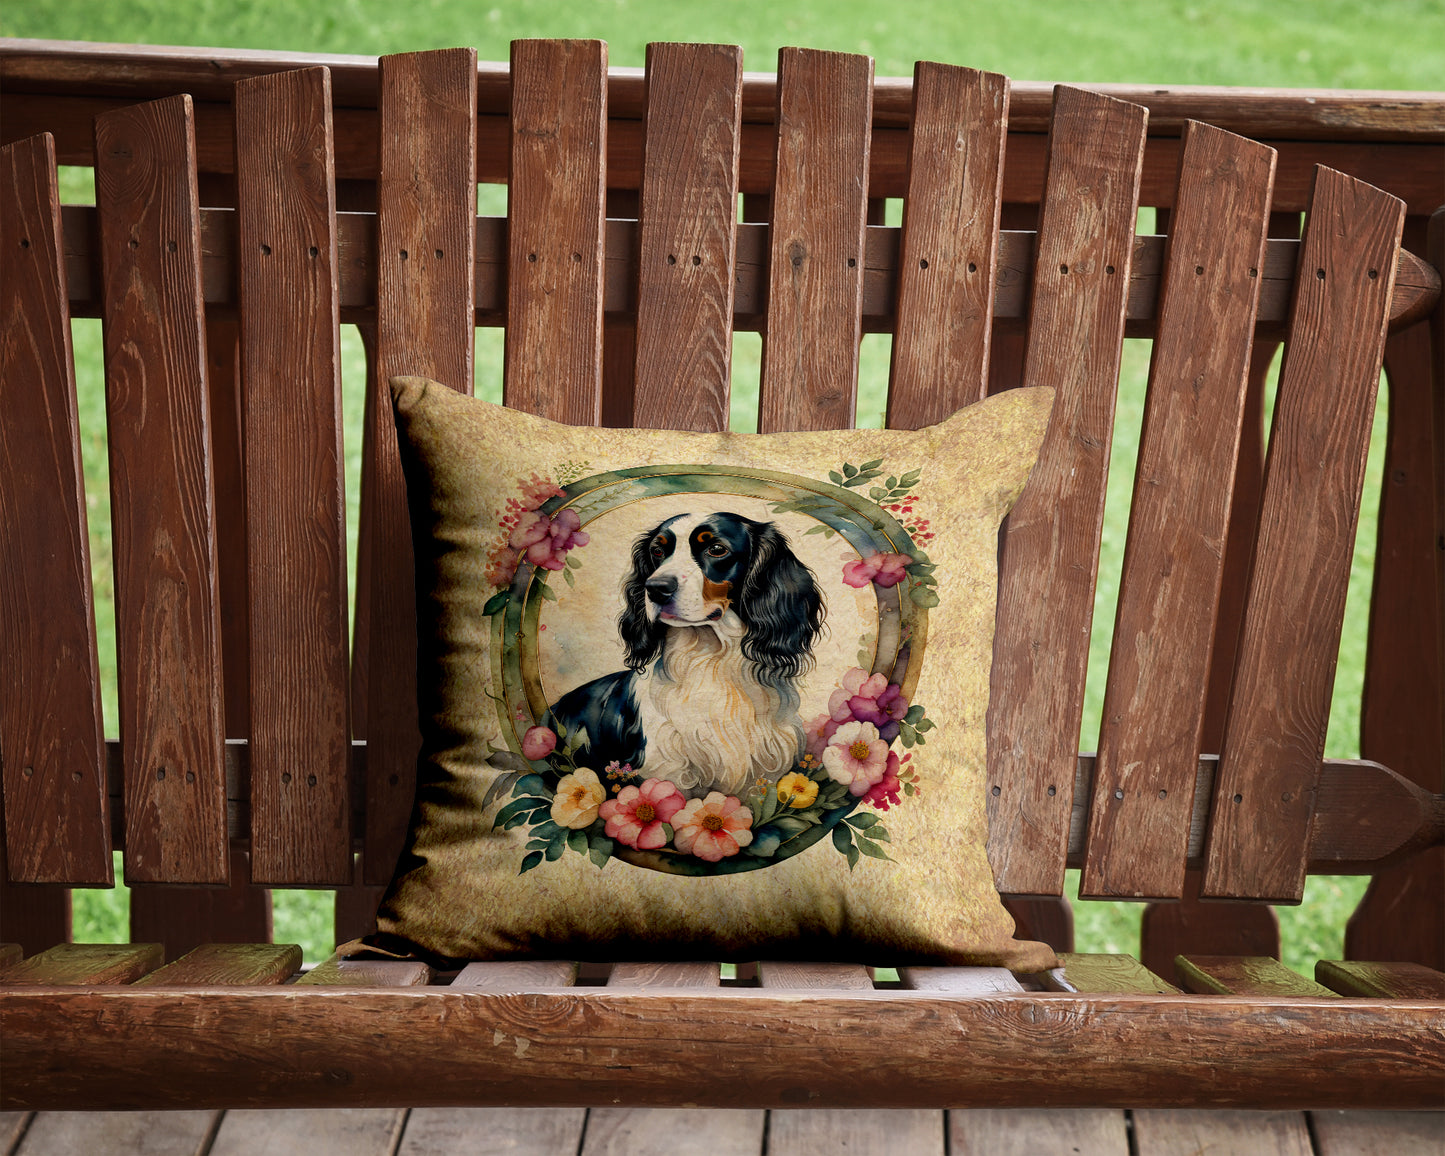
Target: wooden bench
[{"x": 248, "y": 203}]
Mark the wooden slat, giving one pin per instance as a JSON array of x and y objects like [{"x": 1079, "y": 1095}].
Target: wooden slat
[
  {"x": 515, "y": 1131},
  {"x": 86, "y": 963},
  {"x": 687, "y": 237},
  {"x": 228, "y": 963},
  {"x": 1339, "y": 1133},
  {"x": 168, "y": 632},
  {"x": 1243, "y": 975},
  {"x": 676, "y": 1131},
  {"x": 1275, "y": 732},
  {"x": 816, "y": 259},
  {"x": 886, "y": 1132},
  {"x": 664, "y": 975},
  {"x": 426, "y": 218},
  {"x": 555, "y": 206},
  {"x": 1170, "y": 1132},
  {"x": 1383, "y": 980},
  {"x": 1087, "y": 972},
  {"x": 814, "y": 976},
  {"x": 56, "y": 819},
  {"x": 337, "y": 972},
  {"x": 300, "y": 746},
  {"x": 12, "y": 1126},
  {"x": 33, "y": 915},
  {"x": 959, "y": 980},
  {"x": 183, "y": 918},
  {"x": 517, "y": 974},
  {"x": 1154, "y": 702},
  {"x": 121, "y": 1133},
  {"x": 355, "y": 912},
  {"x": 1191, "y": 925},
  {"x": 1051, "y": 552},
  {"x": 337, "y": 1132},
  {"x": 10, "y": 953},
  {"x": 1030, "y": 1131},
  {"x": 947, "y": 267}
]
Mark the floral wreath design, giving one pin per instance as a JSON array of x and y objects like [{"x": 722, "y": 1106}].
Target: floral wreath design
[{"x": 850, "y": 761}]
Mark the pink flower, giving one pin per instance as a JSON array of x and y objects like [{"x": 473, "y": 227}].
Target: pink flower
[
  {"x": 637, "y": 815},
  {"x": 862, "y": 697},
  {"x": 885, "y": 792},
  {"x": 856, "y": 757},
  {"x": 880, "y": 569},
  {"x": 712, "y": 828},
  {"x": 538, "y": 490},
  {"x": 538, "y": 743},
  {"x": 819, "y": 731},
  {"x": 545, "y": 541}
]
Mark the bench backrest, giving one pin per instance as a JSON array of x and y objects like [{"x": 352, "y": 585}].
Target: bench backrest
[{"x": 243, "y": 700}]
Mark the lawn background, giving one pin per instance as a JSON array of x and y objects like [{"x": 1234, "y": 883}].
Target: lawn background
[{"x": 1385, "y": 44}]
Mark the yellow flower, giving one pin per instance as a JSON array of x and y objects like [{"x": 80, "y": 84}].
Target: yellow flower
[
  {"x": 578, "y": 797},
  {"x": 797, "y": 790}
]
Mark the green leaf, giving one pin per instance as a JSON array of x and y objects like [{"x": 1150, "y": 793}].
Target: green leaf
[
  {"x": 876, "y": 494},
  {"x": 556, "y": 847},
  {"x": 548, "y": 830},
  {"x": 518, "y": 807},
  {"x": 577, "y": 840},
  {"x": 536, "y": 844},
  {"x": 790, "y": 825},
  {"x": 873, "y": 465},
  {"x": 852, "y": 857},
  {"x": 567, "y": 574},
  {"x": 880, "y": 834},
  {"x": 573, "y": 562},
  {"x": 533, "y": 859},
  {"x": 923, "y": 596},
  {"x": 819, "y": 529},
  {"x": 547, "y": 592},
  {"x": 862, "y": 822},
  {"x": 515, "y": 820},
  {"x": 835, "y": 477},
  {"x": 907, "y": 734},
  {"x": 600, "y": 855},
  {"x": 924, "y": 725},
  {"x": 667, "y": 832},
  {"x": 872, "y": 850},
  {"x": 842, "y": 838},
  {"x": 909, "y": 789},
  {"x": 849, "y": 471},
  {"x": 915, "y": 712},
  {"x": 920, "y": 568},
  {"x": 529, "y": 785},
  {"x": 911, "y": 477},
  {"x": 864, "y": 658},
  {"x": 891, "y": 483},
  {"x": 496, "y": 602}
]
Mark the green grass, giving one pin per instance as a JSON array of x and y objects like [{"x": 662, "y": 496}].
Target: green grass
[{"x": 1325, "y": 43}]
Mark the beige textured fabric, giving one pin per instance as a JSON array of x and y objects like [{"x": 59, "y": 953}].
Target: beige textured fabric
[{"x": 776, "y": 747}]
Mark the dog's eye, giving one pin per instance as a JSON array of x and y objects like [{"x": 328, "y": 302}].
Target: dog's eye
[
  {"x": 657, "y": 549},
  {"x": 718, "y": 550}
]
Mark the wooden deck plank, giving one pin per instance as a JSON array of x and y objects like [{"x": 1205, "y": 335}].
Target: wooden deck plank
[
  {"x": 664, "y": 975},
  {"x": 184, "y": 918},
  {"x": 816, "y": 260},
  {"x": 1279, "y": 710},
  {"x": 1243, "y": 975},
  {"x": 556, "y": 203},
  {"x": 1051, "y": 546},
  {"x": 687, "y": 237},
  {"x": 1086, "y": 972},
  {"x": 85, "y": 964},
  {"x": 1169, "y": 1132},
  {"x": 959, "y": 980},
  {"x": 12, "y": 1127},
  {"x": 878, "y": 1132},
  {"x": 1154, "y": 700},
  {"x": 947, "y": 263},
  {"x": 1346, "y": 1133},
  {"x": 426, "y": 224},
  {"x": 120, "y": 1133},
  {"x": 517, "y": 974},
  {"x": 317, "y": 1132},
  {"x": 336, "y": 972},
  {"x": 790, "y": 974},
  {"x": 295, "y": 499},
  {"x": 674, "y": 1132},
  {"x": 57, "y": 822},
  {"x": 167, "y": 594},
  {"x": 1384, "y": 980},
  {"x": 514, "y": 1131},
  {"x": 228, "y": 963},
  {"x": 1034, "y": 1131}
]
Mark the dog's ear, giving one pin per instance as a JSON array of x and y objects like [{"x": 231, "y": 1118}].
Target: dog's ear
[
  {"x": 640, "y": 635},
  {"x": 781, "y": 607}
]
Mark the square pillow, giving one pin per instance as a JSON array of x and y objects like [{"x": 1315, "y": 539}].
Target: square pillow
[{"x": 712, "y": 696}]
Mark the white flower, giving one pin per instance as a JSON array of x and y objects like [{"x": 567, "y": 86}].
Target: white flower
[
  {"x": 856, "y": 756},
  {"x": 578, "y": 797}
]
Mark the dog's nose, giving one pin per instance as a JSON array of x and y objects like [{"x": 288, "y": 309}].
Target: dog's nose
[{"x": 661, "y": 588}]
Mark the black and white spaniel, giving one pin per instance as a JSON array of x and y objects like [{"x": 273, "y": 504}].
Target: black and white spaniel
[{"x": 719, "y": 620}]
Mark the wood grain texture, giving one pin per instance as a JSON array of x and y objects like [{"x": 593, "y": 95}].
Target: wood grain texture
[
  {"x": 168, "y": 631},
  {"x": 1050, "y": 556},
  {"x": 13, "y": 1126},
  {"x": 1154, "y": 700},
  {"x": 336, "y": 972},
  {"x": 555, "y": 206},
  {"x": 1384, "y": 980},
  {"x": 917, "y": 1132},
  {"x": 1030, "y": 1131},
  {"x": 34, "y": 915},
  {"x": 121, "y": 1133},
  {"x": 947, "y": 267},
  {"x": 228, "y": 963},
  {"x": 317, "y": 1047},
  {"x": 183, "y": 918},
  {"x": 1191, "y": 926},
  {"x": 1275, "y": 732},
  {"x": 337, "y": 1132},
  {"x": 515, "y": 1131},
  {"x": 1343, "y": 1133},
  {"x": 1088, "y": 972},
  {"x": 295, "y": 500},
  {"x": 816, "y": 258},
  {"x": 1170, "y": 1132},
  {"x": 676, "y": 1131},
  {"x": 687, "y": 237},
  {"x": 959, "y": 980},
  {"x": 426, "y": 218},
  {"x": 1047, "y": 918},
  {"x": 664, "y": 975},
  {"x": 57, "y": 825},
  {"x": 1400, "y": 914},
  {"x": 517, "y": 974},
  {"x": 70, "y": 964},
  {"x": 1243, "y": 975},
  {"x": 797, "y": 976}
]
